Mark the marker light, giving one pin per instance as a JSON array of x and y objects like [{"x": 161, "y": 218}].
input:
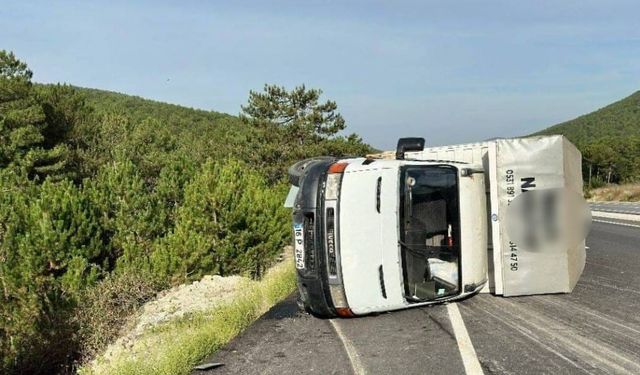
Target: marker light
[
  {"x": 338, "y": 167},
  {"x": 345, "y": 312}
]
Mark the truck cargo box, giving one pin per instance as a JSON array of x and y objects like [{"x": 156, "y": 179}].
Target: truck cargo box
[{"x": 513, "y": 167}]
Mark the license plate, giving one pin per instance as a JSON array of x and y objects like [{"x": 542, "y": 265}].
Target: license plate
[{"x": 298, "y": 241}]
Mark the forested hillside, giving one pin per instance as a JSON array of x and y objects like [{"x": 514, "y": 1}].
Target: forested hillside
[
  {"x": 104, "y": 191},
  {"x": 609, "y": 139}
]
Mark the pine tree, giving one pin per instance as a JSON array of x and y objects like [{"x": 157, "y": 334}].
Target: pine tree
[
  {"x": 287, "y": 126},
  {"x": 298, "y": 112},
  {"x": 230, "y": 222},
  {"x": 23, "y": 123}
]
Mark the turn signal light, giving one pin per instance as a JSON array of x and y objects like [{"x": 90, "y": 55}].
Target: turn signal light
[
  {"x": 338, "y": 167},
  {"x": 345, "y": 312}
]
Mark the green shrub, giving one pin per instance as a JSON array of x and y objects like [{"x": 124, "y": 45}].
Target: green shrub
[
  {"x": 129, "y": 214},
  {"x": 230, "y": 222},
  {"x": 50, "y": 249}
]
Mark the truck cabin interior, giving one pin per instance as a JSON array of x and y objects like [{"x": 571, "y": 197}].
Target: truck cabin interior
[{"x": 429, "y": 232}]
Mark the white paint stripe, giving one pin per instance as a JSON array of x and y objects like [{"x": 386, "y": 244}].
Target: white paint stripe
[
  {"x": 353, "y": 355},
  {"x": 467, "y": 352},
  {"x": 615, "y": 202},
  {"x": 616, "y": 223},
  {"x": 620, "y": 212},
  {"x": 612, "y": 215}
]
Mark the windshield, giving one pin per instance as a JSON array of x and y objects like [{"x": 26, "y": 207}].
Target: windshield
[{"x": 429, "y": 231}]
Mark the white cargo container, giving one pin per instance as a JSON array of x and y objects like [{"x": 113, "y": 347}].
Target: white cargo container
[
  {"x": 437, "y": 224},
  {"x": 511, "y": 167}
]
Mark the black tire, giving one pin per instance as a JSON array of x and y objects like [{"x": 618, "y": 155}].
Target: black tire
[{"x": 296, "y": 171}]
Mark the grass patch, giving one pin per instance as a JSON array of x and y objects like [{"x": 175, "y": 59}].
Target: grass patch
[
  {"x": 621, "y": 193},
  {"x": 175, "y": 347}
]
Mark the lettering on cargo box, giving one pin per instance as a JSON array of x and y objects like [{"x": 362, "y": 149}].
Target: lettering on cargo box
[
  {"x": 528, "y": 183},
  {"x": 513, "y": 257},
  {"x": 511, "y": 189}
]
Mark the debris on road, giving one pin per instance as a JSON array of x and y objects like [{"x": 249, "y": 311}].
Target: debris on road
[{"x": 208, "y": 366}]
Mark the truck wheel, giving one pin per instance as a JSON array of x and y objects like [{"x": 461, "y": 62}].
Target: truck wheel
[{"x": 297, "y": 170}]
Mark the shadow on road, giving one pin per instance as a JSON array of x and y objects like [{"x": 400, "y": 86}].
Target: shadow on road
[{"x": 285, "y": 309}]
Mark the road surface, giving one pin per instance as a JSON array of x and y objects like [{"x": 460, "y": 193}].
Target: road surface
[
  {"x": 594, "y": 330},
  {"x": 618, "y": 207}
]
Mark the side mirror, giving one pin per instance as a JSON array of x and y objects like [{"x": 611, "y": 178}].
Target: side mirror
[{"x": 408, "y": 144}]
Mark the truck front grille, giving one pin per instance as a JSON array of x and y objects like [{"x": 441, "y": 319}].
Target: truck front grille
[
  {"x": 309, "y": 242},
  {"x": 331, "y": 242}
]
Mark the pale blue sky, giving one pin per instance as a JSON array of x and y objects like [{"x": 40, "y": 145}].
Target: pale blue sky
[{"x": 450, "y": 73}]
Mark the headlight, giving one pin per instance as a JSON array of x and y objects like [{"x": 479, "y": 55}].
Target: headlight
[
  {"x": 332, "y": 187},
  {"x": 337, "y": 296}
]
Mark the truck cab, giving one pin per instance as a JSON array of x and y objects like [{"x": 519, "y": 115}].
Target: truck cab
[{"x": 373, "y": 235}]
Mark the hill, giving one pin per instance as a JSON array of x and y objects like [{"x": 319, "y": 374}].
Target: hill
[
  {"x": 137, "y": 126},
  {"x": 619, "y": 119},
  {"x": 609, "y": 140},
  {"x": 138, "y": 108}
]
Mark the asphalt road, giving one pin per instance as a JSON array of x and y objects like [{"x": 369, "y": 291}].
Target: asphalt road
[
  {"x": 618, "y": 207},
  {"x": 594, "y": 330}
]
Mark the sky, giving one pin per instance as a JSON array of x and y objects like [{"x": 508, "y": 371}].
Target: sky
[{"x": 450, "y": 72}]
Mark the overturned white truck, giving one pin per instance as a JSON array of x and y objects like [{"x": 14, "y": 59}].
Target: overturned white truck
[{"x": 429, "y": 225}]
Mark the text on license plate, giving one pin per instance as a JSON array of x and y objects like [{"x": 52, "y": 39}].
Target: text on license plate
[{"x": 298, "y": 240}]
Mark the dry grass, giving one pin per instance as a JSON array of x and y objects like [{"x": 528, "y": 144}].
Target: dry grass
[
  {"x": 621, "y": 193},
  {"x": 105, "y": 309}
]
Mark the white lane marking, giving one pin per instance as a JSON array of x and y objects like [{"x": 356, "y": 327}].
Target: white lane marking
[
  {"x": 353, "y": 355},
  {"x": 616, "y": 203},
  {"x": 614, "y": 215},
  {"x": 620, "y": 212},
  {"x": 467, "y": 352},
  {"x": 616, "y": 223}
]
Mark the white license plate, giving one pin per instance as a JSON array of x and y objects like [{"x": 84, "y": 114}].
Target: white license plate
[{"x": 298, "y": 240}]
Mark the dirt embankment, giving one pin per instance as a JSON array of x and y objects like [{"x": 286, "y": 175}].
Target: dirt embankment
[
  {"x": 142, "y": 334},
  {"x": 175, "y": 303}
]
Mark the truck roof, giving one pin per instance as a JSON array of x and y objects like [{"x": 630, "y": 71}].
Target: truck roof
[{"x": 396, "y": 163}]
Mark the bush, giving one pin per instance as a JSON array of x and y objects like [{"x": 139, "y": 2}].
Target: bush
[
  {"x": 50, "y": 248},
  {"x": 130, "y": 215},
  {"x": 104, "y": 310},
  {"x": 230, "y": 222}
]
